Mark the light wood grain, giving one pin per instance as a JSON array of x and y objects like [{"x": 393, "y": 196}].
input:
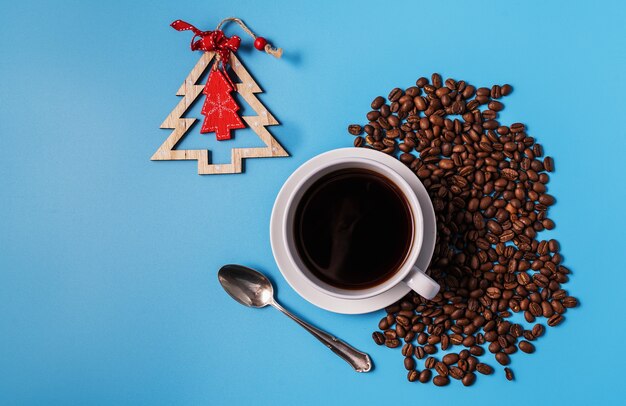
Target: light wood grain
[{"x": 180, "y": 125}]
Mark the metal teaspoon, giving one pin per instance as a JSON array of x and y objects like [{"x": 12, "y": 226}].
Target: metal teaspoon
[{"x": 251, "y": 288}]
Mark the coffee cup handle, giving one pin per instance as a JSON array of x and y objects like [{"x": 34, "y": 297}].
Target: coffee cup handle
[{"x": 421, "y": 283}]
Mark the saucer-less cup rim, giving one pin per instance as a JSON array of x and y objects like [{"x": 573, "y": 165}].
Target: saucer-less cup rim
[{"x": 407, "y": 273}]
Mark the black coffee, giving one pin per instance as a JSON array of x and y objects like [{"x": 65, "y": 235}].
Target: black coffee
[{"x": 353, "y": 228}]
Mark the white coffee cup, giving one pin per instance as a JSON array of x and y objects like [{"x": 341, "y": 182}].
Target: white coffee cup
[{"x": 407, "y": 273}]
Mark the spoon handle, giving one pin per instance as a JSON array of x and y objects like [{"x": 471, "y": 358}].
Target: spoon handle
[{"x": 360, "y": 361}]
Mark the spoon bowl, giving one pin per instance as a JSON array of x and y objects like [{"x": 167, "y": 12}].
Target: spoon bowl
[{"x": 247, "y": 286}]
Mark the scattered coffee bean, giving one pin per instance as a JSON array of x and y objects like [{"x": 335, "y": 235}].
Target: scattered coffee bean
[
  {"x": 476, "y": 350},
  {"x": 526, "y": 347},
  {"x": 392, "y": 343},
  {"x": 503, "y": 359},
  {"x": 430, "y": 362},
  {"x": 425, "y": 376},
  {"x": 509, "y": 374},
  {"x": 395, "y": 94},
  {"x": 456, "y": 373},
  {"x": 412, "y": 375},
  {"x": 441, "y": 368},
  {"x": 570, "y": 301},
  {"x": 548, "y": 164},
  {"x": 488, "y": 185},
  {"x": 440, "y": 380},
  {"x": 355, "y": 129},
  {"x": 409, "y": 363},
  {"x": 450, "y": 359},
  {"x": 469, "y": 379},
  {"x": 378, "y": 102},
  {"x": 555, "y": 320},
  {"x": 484, "y": 369},
  {"x": 430, "y": 349}
]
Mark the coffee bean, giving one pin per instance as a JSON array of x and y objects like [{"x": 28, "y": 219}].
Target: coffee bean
[
  {"x": 517, "y": 330},
  {"x": 412, "y": 375},
  {"x": 548, "y": 164},
  {"x": 355, "y": 129},
  {"x": 373, "y": 115},
  {"x": 507, "y": 235},
  {"x": 546, "y": 308},
  {"x": 476, "y": 350},
  {"x": 471, "y": 363},
  {"x": 570, "y": 301},
  {"x": 441, "y": 368},
  {"x": 470, "y": 340},
  {"x": 496, "y": 92},
  {"x": 390, "y": 334},
  {"x": 484, "y": 369},
  {"x": 358, "y": 142},
  {"x": 441, "y": 380},
  {"x": 546, "y": 199},
  {"x": 502, "y": 358},
  {"x": 557, "y": 307},
  {"x": 535, "y": 309},
  {"x": 445, "y": 342},
  {"x": 419, "y": 352},
  {"x": 495, "y": 105},
  {"x": 378, "y": 337},
  {"x": 409, "y": 363},
  {"x": 526, "y": 347},
  {"x": 406, "y": 158},
  {"x": 450, "y": 359},
  {"x": 395, "y": 94},
  {"x": 517, "y": 127},
  {"x": 469, "y": 379},
  {"x": 392, "y": 343},
  {"x": 425, "y": 376},
  {"x": 503, "y": 327},
  {"x": 436, "y": 80},
  {"x": 491, "y": 336},
  {"x": 378, "y": 102},
  {"x": 393, "y": 121},
  {"x": 430, "y": 362},
  {"x": 456, "y": 373},
  {"x": 555, "y": 320},
  {"x": 402, "y": 320},
  {"x": 430, "y": 349},
  {"x": 493, "y": 292},
  {"x": 509, "y": 374}
]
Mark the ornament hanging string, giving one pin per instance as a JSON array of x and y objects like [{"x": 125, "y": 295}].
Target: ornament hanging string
[
  {"x": 260, "y": 43},
  {"x": 222, "y": 45}
]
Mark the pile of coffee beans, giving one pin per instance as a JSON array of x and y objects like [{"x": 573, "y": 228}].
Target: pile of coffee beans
[{"x": 487, "y": 182}]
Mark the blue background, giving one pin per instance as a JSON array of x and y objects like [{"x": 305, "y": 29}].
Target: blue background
[{"x": 108, "y": 288}]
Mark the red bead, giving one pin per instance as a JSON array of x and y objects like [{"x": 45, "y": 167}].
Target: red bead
[{"x": 259, "y": 43}]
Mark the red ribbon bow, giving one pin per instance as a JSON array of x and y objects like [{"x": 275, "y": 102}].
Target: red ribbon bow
[{"x": 210, "y": 40}]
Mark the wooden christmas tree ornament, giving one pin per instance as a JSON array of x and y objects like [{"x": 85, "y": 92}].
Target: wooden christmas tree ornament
[{"x": 217, "y": 105}]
